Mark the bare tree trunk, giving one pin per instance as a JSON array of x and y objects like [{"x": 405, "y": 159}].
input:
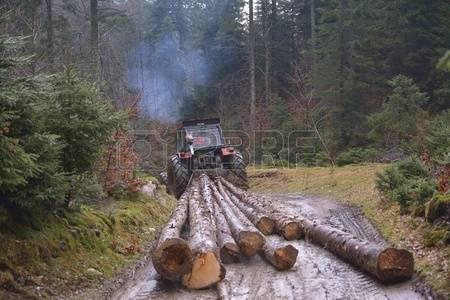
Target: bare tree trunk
[
  {"x": 285, "y": 224},
  {"x": 313, "y": 34},
  {"x": 207, "y": 269},
  {"x": 94, "y": 40},
  {"x": 172, "y": 257},
  {"x": 50, "y": 43},
  {"x": 282, "y": 257},
  {"x": 273, "y": 42},
  {"x": 249, "y": 239},
  {"x": 252, "y": 68},
  {"x": 385, "y": 263},
  {"x": 267, "y": 30}
]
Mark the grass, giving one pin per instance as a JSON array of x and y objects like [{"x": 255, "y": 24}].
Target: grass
[
  {"x": 68, "y": 250},
  {"x": 354, "y": 185}
]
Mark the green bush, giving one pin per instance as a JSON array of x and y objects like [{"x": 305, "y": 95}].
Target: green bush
[
  {"x": 355, "y": 156},
  {"x": 437, "y": 139},
  {"x": 30, "y": 167},
  {"x": 81, "y": 118},
  {"x": 396, "y": 125},
  {"x": 438, "y": 208},
  {"x": 407, "y": 182},
  {"x": 52, "y": 130}
]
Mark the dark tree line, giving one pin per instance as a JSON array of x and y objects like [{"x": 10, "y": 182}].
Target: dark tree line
[{"x": 324, "y": 65}]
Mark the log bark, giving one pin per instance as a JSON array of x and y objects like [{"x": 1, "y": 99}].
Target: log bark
[
  {"x": 173, "y": 256},
  {"x": 249, "y": 239},
  {"x": 207, "y": 269},
  {"x": 261, "y": 220},
  {"x": 388, "y": 264},
  {"x": 282, "y": 257},
  {"x": 285, "y": 224},
  {"x": 229, "y": 250}
]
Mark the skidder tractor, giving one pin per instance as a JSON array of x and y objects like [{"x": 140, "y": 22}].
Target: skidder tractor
[{"x": 201, "y": 147}]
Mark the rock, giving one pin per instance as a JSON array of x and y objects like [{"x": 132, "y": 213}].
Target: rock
[
  {"x": 93, "y": 273},
  {"x": 149, "y": 189}
]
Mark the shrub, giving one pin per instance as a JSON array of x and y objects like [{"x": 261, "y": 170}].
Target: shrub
[
  {"x": 52, "y": 129},
  {"x": 356, "y": 155},
  {"x": 438, "y": 208},
  {"x": 82, "y": 119},
  {"x": 397, "y": 123},
  {"x": 30, "y": 169},
  {"x": 437, "y": 139},
  {"x": 407, "y": 182}
]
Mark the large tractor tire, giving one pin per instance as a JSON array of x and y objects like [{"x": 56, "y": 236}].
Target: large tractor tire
[
  {"x": 177, "y": 176},
  {"x": 237, "y": 174}
]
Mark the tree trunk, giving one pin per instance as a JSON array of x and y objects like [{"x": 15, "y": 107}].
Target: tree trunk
[
  {"x": 282, "y": 257},
  {"x": 265, "y": 224},
  {"x": 94, "y": 39},
  {"x": 249, "y": 239},
  {"x": 273, "y": 43},
  {"x": 388, "y": 264},
  {"x": 267, "y": 30},
  {"x": 207, "y": 269},
  {"x": 49, "y": 26},
  {"x": 313, "y": 35},
  {"x": 173, "y": 256},
  {"x": 285, "y": 224},
  {"x": 252, "y": 68}
]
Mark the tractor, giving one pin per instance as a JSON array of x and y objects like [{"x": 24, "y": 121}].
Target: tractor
[{"x": 201, "y": 147}]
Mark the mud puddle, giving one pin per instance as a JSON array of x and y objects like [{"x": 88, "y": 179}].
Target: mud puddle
[{"x": 317, "y": 274}]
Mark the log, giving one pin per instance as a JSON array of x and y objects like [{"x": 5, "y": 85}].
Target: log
[
  {"x": 207, "y": 269},
  {"x": 249, "y": 239},
  {"x": 264, "y": 223},
  {"x": 285, "y": 224},
  {"x": 172, "y": 257},
  {"x": 282, "y": 257},
  {"x": 229, "y": 251},
  {"x": 388, "y": 264}
]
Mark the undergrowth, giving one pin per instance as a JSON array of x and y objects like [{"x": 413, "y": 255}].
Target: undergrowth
[{"x": 52, "y": 253}]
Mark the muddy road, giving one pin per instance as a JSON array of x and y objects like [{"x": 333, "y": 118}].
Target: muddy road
[{"x": 318, "y": 274}]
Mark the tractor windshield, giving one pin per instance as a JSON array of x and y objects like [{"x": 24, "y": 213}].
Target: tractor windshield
[{"x": 207, "y": 137}]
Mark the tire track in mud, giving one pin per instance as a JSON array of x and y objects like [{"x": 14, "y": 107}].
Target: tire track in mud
[{"x": 318, "y": 274}]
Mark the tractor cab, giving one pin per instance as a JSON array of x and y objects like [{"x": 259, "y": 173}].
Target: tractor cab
[
  {"x": 201, "y": 135},
  {"x": 201, "y": 146}
]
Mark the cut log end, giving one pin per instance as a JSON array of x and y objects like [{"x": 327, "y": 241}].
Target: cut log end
[
  {"x": 285, "y": 257},
  {"x": 173, "y": 258},
  {"x": 395, "y": 265},
  {"x": 250, "y": 242},
  {"x": 266, "y": 225},
  {"x": 291, "y": 231},
  {"x": 229, "y": 253},
  {"x": 206, "y": 271}
]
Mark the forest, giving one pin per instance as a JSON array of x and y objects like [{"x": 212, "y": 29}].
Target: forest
[{"x": 92, "y": 92}]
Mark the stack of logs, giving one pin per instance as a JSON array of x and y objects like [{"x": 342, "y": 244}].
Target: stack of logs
[{"x": 222, "y": 222}]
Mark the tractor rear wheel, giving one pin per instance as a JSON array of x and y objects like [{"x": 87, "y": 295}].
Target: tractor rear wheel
[
  {"x": 236, "y": 166},
  {"x": 177, "y": 176}
]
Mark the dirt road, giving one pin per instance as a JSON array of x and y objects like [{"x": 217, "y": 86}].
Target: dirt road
[{"x": 317, "y": 274}]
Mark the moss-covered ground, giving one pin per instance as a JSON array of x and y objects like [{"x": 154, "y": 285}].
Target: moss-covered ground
[
  {"x": 355, "y": 185},
  {"x": 55, "y": 252}
]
